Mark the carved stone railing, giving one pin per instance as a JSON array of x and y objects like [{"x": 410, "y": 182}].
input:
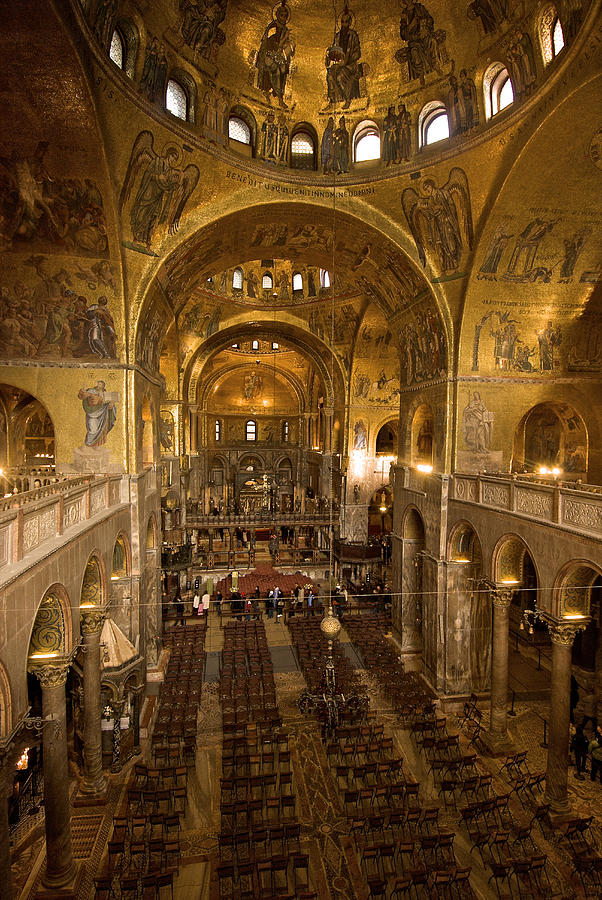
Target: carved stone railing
[
  {"x": 574, "y": 507},
  {"x": 259, "y": 520},
  {"x": 30, "y": 519}
]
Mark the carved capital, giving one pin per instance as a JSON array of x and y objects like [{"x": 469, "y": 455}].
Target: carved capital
[
  {"x": 48, "y": 674},
  {"x": 501, "y": 597},
  {"x": 564, "y": 633},
  {"x": 91, "y": 621}
]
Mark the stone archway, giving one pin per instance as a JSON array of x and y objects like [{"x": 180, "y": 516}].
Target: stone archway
[
  {"x": 551, "y": 438},
  {"x": 422, "y": 436}
]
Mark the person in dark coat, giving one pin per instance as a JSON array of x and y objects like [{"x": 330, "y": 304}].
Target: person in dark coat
[
  {"x": 579, "y": 745},
  {"x": 179, "y": 608}
]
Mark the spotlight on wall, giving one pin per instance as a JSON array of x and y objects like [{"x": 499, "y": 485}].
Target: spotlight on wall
[{"x": 424, "y": 467}]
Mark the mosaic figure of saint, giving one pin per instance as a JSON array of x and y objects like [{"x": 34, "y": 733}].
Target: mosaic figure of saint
[
  {"x": 403, "y": 134},
  {"x": 274, "y": 56},
  {"x": 343, "y": 75},
  {"x": 417, "y": 28},
  {"x": 100, "y": 413},
  {"x": 389, "y": 153}
]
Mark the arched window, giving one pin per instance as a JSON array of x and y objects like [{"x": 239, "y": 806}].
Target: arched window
[
  {"x": 303, "y": 151},
  {"x": 251, "y": 430},
  {"x": 275, "y": 345},
  {"x": 366, "y": 142},
  {"x": 124, "y": 46},
  {"x": 557, "y": 37},
  {"x": 117, "y": 51},
  {"x": 237, "y": 279},
  {"x": 267, "y": 282},
  {"x": 433, "y": 124},
  {"x": 285, "y": 432},
  {"x": 176, "y": 100},
  {"x": 218, "y": 430},
  {"x": 297, "y": 282},
  {"x": 254, "y": 345},
  {"x": 324, "y": 278},
  {"x": 238, "y": 130},
  {"x": 498, "y": 89},
  {"x": 551, "y": 36}
]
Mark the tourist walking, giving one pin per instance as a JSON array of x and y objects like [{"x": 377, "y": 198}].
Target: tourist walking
[
  {"x": 205, "y": 601},
  {"x": 196, "y": 600}
]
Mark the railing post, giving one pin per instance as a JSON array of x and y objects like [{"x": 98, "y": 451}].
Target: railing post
[
  {"x": 557, "y": 508},
  {"x": 18, "y": 542}
]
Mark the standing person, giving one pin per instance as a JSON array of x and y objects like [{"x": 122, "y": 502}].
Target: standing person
[
  {"x": 579, "y": 746},
  {"x": 205, "y": 601},
  {"x": 247, "y": 607},
  {"x": 269, "y": 605},
  {"x": 310, "y": 603},
  {"x": 595, "y": 751},
  {"x": 196, "y": 601},
  {"x": 257, "y": 592},
  {"x": 218, "y": 602},
  {"x": 179, "y": 608}
]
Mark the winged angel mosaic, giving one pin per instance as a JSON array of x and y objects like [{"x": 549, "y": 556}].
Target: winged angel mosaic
[
  {"x": 162, "y": 184},
  {"x": 440, "y": 218}
]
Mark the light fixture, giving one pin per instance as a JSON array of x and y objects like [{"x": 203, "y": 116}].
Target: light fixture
[
  {"x": 23, "y": 760},
  {"x": 461, "y": 559},
  {"x": 424, "y": 467},
  {"x": 510, "y": 581}
]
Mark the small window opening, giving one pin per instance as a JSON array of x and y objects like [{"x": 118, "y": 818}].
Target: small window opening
[{"x": 176, "y": 101}]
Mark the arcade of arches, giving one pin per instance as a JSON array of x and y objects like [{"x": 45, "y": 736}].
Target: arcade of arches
[{"x": 284, "y": 301}]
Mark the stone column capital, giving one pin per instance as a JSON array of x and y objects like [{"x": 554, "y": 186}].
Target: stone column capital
[
  {"x": 564, "y": 633},
  {"x": 501, "y": 597},
  {"x": 92, "y": 620},
  {"x": 50, "y": 674}
]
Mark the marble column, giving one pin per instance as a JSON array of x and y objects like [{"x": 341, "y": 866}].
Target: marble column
[
  {"x": 497, "y": 737},
  {"x": 6, "y": 878},
  {"x": 60, "y": 867},
  {"x": 562, "y": 637},
  {"x": 91, "y": 626}
]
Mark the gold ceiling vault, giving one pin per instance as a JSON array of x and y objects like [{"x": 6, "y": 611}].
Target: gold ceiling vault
[{"x": 457, "y": 268}]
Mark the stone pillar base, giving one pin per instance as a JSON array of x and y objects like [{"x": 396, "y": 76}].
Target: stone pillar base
[
  {"x": 559, "y": 816},
  {"x": 86, "y": 797},
  {"x": 69, "y": 891},
  {"x": 497, "y": 745}
]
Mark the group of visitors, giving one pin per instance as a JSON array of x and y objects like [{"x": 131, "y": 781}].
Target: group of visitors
[
  {"x": 582, "y": 747},
  {"x": 200, "y": 605}
]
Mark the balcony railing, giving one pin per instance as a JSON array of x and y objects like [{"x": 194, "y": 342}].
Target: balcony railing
[
  {"x": 565, "y": 504},
  {"x": 30, "y": 519},
  {"x": 261, "y": 519}
]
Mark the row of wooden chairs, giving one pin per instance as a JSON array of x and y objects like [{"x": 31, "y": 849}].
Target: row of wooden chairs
[
  {"x": 141, "y": 828},
  {"x": 258, "y": 804},
  {"x": 163, "y": 800},
  {"x": 149, "y": 856},
  {"x": 246, "y": 788},
  {"x": 156, "y": 886},
  {"x": 153, "y": 777}
]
